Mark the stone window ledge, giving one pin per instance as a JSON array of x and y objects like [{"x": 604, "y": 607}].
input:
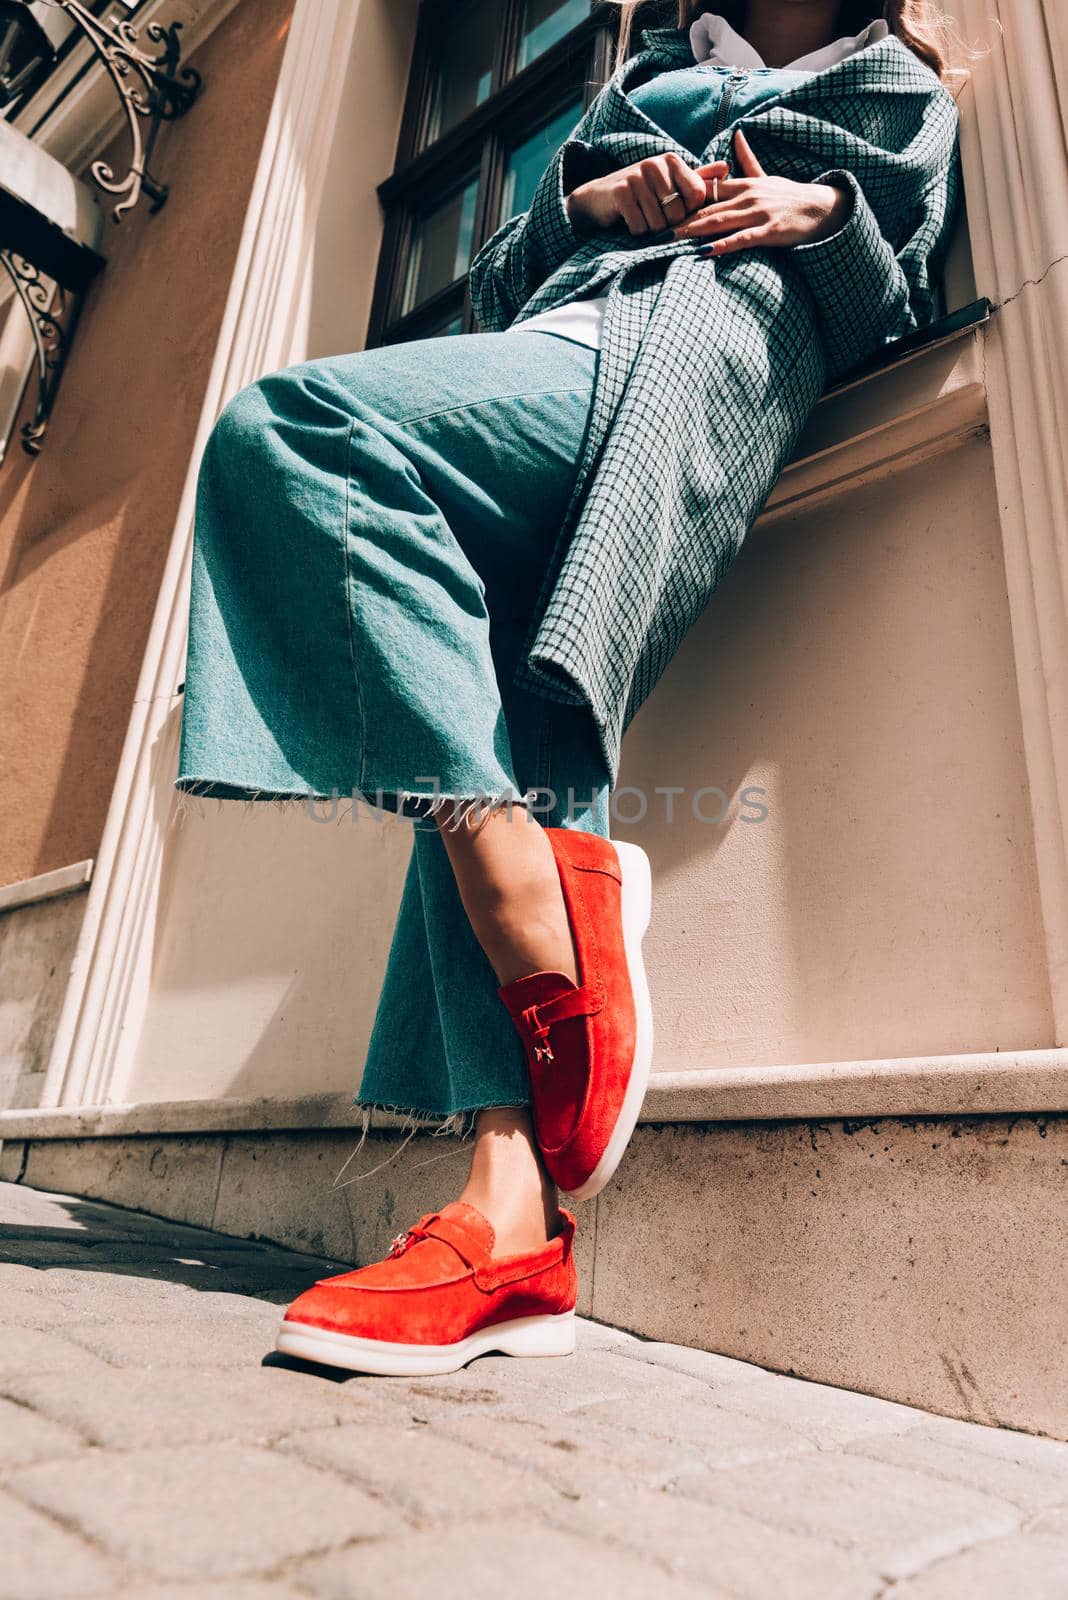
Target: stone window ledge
[
  {"x": 46, "y": 886},
  {"x": 922, "y": 396}
]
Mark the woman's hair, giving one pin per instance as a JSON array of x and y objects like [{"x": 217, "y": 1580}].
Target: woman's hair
[{"x": 917, "y": 23}]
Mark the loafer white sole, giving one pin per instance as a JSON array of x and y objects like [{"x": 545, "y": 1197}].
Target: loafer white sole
[{"x": 525, "y": 1336}]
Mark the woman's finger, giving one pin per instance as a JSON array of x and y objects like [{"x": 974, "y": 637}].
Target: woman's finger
[
  {"x": 744, "y": 239},
  {"x": 631, "y": 212},
  {"x": 737, "y": 199},
  {"x": 673, "y": 209},
  {"x": 746, "y": 159},
  {"x": 722, "y": 221},
  {"x": 729, "y": 189},
  {"x": 648, "y": 202},
  {"x": 671, "y": 185},
  {"x": 688, "y": 184}
]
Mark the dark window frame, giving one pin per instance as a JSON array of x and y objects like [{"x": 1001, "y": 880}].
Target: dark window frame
[{"x": 577, "y": 65}]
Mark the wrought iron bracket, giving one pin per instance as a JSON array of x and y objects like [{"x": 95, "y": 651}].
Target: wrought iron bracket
[
  {"x": 53, "y": 314},
  {"x": 152, "y": 90},
  {"x": 50, "y": 265}
]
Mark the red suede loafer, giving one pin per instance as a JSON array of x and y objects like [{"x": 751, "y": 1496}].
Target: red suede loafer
[
  {"x": 438, "y": 1300},
  {"x": 589, "y": 1046}
]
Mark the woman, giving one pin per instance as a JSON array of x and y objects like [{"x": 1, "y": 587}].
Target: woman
[{"x": 443, "y": 576}]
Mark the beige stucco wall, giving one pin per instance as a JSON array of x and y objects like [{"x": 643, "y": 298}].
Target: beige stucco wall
[
  {"x": 84, "y": 530},
  {"x": 272, "y": 932},
  {"x": 857, "y": 665}
]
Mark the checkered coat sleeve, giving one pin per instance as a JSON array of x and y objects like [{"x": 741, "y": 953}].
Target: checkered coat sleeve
[{"x": 709, "y": 369}]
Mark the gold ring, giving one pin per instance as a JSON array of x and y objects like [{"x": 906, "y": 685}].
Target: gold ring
[{"x": 672, "y": 194}]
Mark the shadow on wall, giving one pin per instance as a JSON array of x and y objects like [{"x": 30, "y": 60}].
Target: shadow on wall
[
  {"x": 857, "y": 664},
  {"x": 90, "y": 521},
  {"x": 265, "y": 951}
]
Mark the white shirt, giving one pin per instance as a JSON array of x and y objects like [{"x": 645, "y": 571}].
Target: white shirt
[{"x": 712, "y": 39}]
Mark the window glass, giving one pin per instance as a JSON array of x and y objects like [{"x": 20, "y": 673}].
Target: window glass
[
  {"x": 545, "y": 21},
  {"x": 464, "y": 70},
  {"x": 497, "y": 86},
  {"x": 26, "y": 51},
  {"x": 528, "y": 161},
  {"x": 441, "y": 245}
]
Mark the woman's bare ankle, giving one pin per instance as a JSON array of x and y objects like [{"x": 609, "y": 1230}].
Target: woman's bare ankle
[{"x": 508, "y": 1183}]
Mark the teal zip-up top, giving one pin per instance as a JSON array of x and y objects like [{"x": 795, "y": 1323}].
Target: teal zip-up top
[{"x": 692, "y": 104}]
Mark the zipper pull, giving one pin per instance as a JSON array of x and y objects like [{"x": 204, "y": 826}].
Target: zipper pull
[{"x": 730, "y": 88}]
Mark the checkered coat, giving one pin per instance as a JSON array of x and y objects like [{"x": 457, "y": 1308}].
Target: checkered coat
[{"x": 710, "y": 368}]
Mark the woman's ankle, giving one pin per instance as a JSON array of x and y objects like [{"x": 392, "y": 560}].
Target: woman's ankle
[
  {"x": 516, "y": 1230},
  {"x": 508, "y": 1183}
]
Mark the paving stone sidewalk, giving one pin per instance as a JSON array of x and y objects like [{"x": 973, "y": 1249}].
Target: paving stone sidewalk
[{"x": 147, "y": 1450}]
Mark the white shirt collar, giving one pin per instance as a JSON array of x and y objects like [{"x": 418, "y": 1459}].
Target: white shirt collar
[{"x": 713, "y": 39}]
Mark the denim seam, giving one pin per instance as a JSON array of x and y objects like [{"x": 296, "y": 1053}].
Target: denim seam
[
  {"x": 491, "y": 400},
  {"x": 545, "y": 743},
  {"x": 350, "y": 602}
]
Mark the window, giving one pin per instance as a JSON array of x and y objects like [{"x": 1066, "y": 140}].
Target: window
[
  {"x": 496, "y": 87},
  {"x": 38, "y": 42}
]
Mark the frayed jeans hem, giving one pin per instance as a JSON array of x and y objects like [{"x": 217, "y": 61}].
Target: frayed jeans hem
[
  {"x": 413, "y": 804},
  {"x": 410, "y": 1120}
]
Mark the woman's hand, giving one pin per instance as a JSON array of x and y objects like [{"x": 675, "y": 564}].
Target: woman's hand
[
  {"x": 758, "y": 210},
  {"x": 636, "y": 194}
]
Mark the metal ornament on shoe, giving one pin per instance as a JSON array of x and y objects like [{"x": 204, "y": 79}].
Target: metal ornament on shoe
[
  {"x": 418, "y": 1230},
  {"x": 584, "y": 1001},
  {"x": 539, "y": 1034},
  {"x": 435, "y": 1226}
]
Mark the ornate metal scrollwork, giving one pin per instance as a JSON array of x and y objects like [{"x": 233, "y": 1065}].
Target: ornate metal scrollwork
[
  {"x": 52, "y": 313},
  {"x": 151, "y": 90}
]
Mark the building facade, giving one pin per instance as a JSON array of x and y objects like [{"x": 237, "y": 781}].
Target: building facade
[{"x": 853, "y": 1149}]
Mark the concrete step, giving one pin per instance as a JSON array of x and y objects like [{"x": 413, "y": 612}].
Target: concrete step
[{"x": 919, "y": 1258}]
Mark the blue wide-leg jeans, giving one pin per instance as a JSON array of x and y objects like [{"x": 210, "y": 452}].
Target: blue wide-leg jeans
[{"x": 372, "y": 531}]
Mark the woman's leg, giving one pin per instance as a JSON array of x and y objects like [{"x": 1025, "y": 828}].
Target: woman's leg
[
  {"x": 503, "y": 872},
  {"x": 498, "y": 864},
  {"x": 367, "y": 527},
  {"x": 557, "y": 754},
  {"x": 507, "y": 1181},
  {"x": 507, "y": 878}
]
